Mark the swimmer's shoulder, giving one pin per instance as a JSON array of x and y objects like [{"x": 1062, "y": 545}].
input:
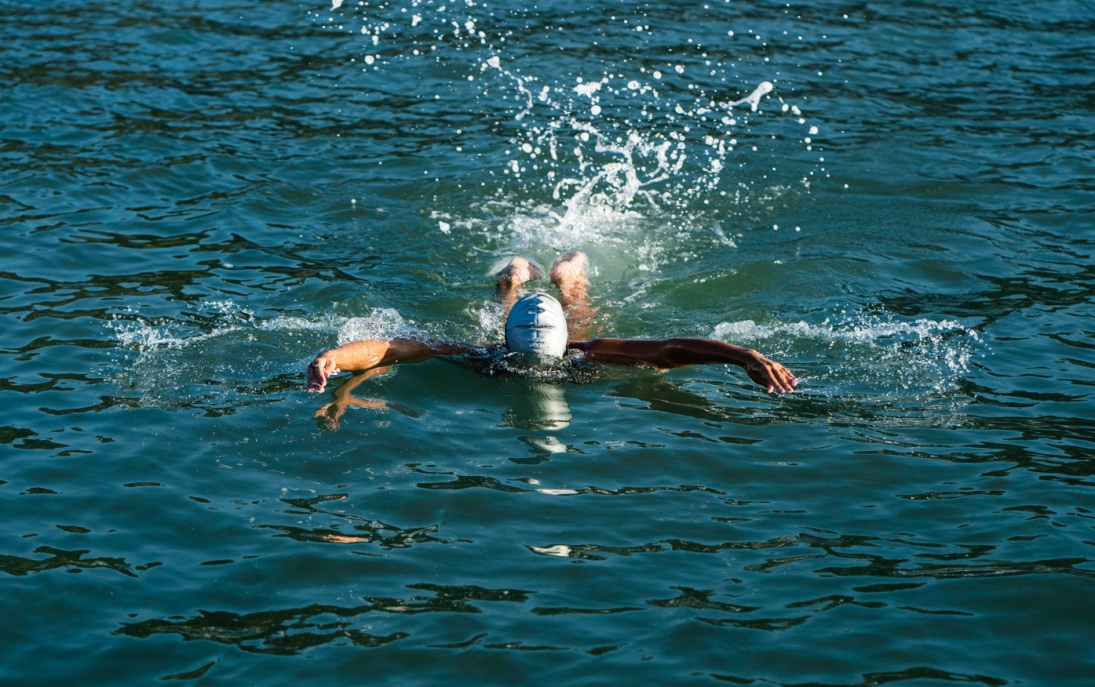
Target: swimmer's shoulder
[
  {"x": 478, "y": 357},
  {"x": 460, "y": 349}
]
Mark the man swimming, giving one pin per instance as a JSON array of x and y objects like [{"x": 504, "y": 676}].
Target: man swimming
[{"x": 537, "y": 331}]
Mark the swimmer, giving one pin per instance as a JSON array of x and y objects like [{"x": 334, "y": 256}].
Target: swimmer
[{"x": 538, "y": 329}]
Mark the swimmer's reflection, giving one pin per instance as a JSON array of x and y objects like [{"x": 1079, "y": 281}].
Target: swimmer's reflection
[
  {"x": 535, "y": 406},
  {"x": 327, "y": 416},
  {"x": 539, "y": 406}
]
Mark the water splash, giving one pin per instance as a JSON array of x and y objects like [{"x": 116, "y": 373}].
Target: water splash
[
  {"x": 383, "y": 323},
  {"x": 873, "y": 354},
  {"x": 224, "y": 356},
  {"x": 584, "y": 159},
  {"x": 753, "y": 99}
]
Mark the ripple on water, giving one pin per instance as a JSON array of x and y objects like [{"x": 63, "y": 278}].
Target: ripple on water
[{"x": 894, "y": 200}]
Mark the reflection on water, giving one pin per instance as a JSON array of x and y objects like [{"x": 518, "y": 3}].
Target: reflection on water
[
  {"x": 270, "y": 632},
  {"x": 386, "y": 536},
  {"x": 70, "y": 561},
  {"x": 293, "y": 630},
  {"x": 532, "y": 405},
  {"x": 360, "y": 530},
  {"x": 539, "y": 406}
]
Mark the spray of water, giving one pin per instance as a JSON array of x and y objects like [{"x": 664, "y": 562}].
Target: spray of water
[
  {"x": 869, "y": 355},
  {"x": 648, "y": 150},
  {"x": 224, "y": 355}
]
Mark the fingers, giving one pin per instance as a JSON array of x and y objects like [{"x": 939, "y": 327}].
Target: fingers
[
  {"x": 772, "y": 376},
  {"x": 327, "y": 416},
  {"x": 318, "y": 371},
  {"x": 780, "y": 377},
  {"x": 784, "y": 381},
  {"x": 317, "y": 381}
]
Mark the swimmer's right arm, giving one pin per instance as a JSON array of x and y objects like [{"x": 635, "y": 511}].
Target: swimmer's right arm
[{"x": 370, "y": 353}]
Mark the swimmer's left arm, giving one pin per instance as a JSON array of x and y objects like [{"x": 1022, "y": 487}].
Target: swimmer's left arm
[
  {"x": 370, "y": 353},
  {"x": 669, "y": 353}
]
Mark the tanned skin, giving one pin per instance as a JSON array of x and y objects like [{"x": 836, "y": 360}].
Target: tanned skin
[{"x": 569, "y": 276}]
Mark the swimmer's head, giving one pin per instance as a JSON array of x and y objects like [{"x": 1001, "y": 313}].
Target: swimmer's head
[{"x": 537, "y": 327}]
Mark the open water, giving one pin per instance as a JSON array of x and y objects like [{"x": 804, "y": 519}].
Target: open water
[{"x": 893, "y": 199}]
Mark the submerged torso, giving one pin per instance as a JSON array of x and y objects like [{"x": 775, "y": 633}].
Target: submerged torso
[{"x": 498, "y": 361}]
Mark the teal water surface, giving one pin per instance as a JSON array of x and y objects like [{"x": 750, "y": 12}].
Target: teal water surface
[{"x": 892, "y": 199}]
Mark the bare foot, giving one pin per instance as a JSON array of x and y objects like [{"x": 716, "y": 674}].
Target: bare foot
[
  {"x": 512, "y": 277},
  {"x": 517, "y": 272},
  {"x": 569, "y": 272},
  {"x": 569, "y": 276}
]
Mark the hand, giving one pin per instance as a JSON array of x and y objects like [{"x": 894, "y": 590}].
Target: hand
[
  {"x": 327, "y": 416},
  {"x": 319, "y": 370},
  {"x": 769, "y": 374}
]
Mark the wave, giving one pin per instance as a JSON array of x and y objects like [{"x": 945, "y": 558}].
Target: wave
[
  {"x": 871, "y": 353},
  {"x": 226, "y": 356}
]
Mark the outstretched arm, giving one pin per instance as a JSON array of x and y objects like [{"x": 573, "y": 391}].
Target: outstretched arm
[
  {"x": 669, "y": 353},
  {"x": 363, "y": 355}
]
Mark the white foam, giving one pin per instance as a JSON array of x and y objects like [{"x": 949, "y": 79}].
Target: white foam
[
  {"x": 195, "y": 364},
  {"x": 149, "y": 338},
  {"x": 871, "y": 333},
  {"x": 871, "y": 351},
  {"x": 382, "y": 323}
]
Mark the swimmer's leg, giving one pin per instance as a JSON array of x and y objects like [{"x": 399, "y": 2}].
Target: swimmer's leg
[
  {"x": 569, "y": 276},
  {"x": 512, "y": 277}
]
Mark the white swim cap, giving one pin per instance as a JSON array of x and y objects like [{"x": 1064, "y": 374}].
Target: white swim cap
[{"x": 536, "y": 325}]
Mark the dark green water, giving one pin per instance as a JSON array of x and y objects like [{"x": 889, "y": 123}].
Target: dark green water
[{"x": 196, "y": 197}]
